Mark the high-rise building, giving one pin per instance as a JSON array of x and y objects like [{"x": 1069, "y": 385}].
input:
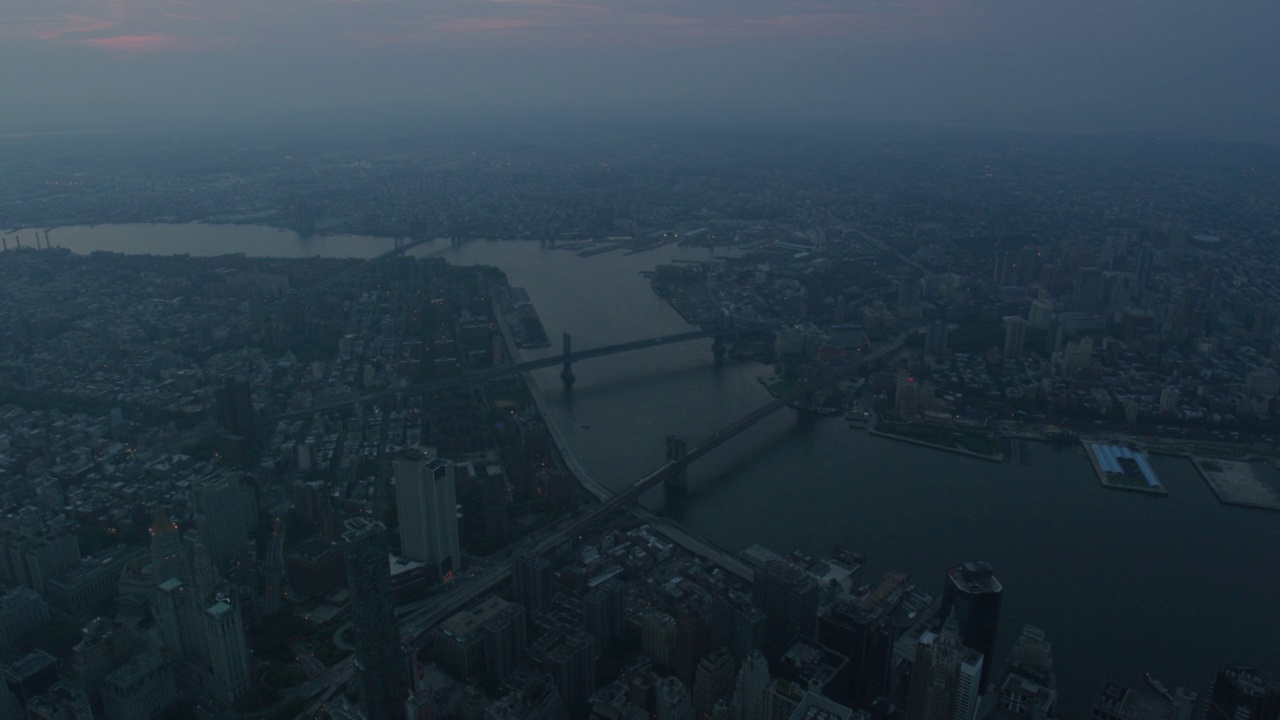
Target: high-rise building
[
  {"x": 505, "y": 640},
  {"x": 139, "y": 689},
  {"x": 1116, "y": 702},
  {"x": 426, "y": 501},
  {"x": 968, "y": 691},
  {"x": 21, "y": 611},
  {"x": 531, "y": 580},
  {"x": 935, "y": 674},
  {"x": 379, "y": 659},
  {"x": 36, "y": 553},
  {"x": 674, "y": 702},
  {"x": 227, "y": 653},
  {"x": 219, "y": 513},
  {"x": 1240, "y": 692},
  {"x": 167, "y": 557},
  {"x": 935, "y": 342},
  {"x": 569, "y": 657},
  {"x": 863, "y": 630},
  {"x": 788, "y": 596},
  {"x": 604, "y": 611},
  {"x": 750, "y": 688},
  {"x": 713, "y": 680},
  {"x": 660, "y": 636},
  {"x": 1032, "y": 657},
  {"x": 233, "y": 404},
  {"x": 972, "y": 593},
  {"x": 60, "y": 702},
  {"x": 1015, "y": 335}
]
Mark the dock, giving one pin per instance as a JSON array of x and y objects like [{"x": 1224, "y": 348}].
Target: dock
[
  {"x": 1120, "y": 468},
  {"x": 1237, "y": 482}
]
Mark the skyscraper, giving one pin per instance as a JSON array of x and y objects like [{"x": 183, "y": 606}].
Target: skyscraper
[
  {"x": 167, "y": 558},
  {"x": 379, "y": 659},
  {"x": 426, "y": 500},
  {"x": 863, "y": 630},
  {"x": 789, "y": 598},
  {"x": 935, "y": 674},
  {"x": 228, "y": 655},
  {"x": 750, "y": 688},
  {"x": 968, "y": 685},
  {"x": 233, "y": 404},
  {"x": 973, "y": 594},
  {"x": 219, "y": 511},
  {"x": 531, "y": 580},
  {"x": 1015, "y": 335},
  {"x": 1240, "y": 692}
]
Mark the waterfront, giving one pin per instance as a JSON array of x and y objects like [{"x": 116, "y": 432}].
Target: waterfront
[{"x": 1123, "y": 583}]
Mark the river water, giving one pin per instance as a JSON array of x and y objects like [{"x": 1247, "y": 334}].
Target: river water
[{"x": 1123, "y": 583}]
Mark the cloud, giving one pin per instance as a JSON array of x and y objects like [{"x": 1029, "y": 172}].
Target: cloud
[{"x": 140, "y": 43}]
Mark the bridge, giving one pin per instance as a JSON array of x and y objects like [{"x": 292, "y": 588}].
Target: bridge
[
  {"x": 566, "y": 359},
  {"x": 673, "y": 472}
]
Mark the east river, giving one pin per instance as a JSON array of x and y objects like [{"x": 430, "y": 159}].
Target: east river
[{"x": 1123, "y": 583}]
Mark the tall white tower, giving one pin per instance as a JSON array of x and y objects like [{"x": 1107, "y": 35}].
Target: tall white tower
[{"x": 427, "y": 505}]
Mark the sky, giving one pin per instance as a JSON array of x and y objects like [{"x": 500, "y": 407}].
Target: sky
[{"x": 1200, "y": 67}]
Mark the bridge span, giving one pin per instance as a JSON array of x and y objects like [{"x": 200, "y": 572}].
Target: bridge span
[
  {"x": 480, "y": 377},
  {"x": 674, "y": 471}
]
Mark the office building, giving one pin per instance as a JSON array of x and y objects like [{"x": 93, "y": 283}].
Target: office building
[
  {"x": 233, "y": 405},
  {"x": 379, "y": 659},
  {"x": 531, "y": 580},
  {"x": 1116, "y": 702},
  {"x": 660, "y": 637},
  {"x": 713, "y": 680},
  {"x": 314, "y": 566},
  {"x": 167, "y": 557},
  {"x": 91, "y": 582},
  {"x": 968, "y": 691},
  {"x": 972, "y": 593},
  {"x": 60, "y": 702},
  {"x": 935, "y": 674},
  {"x": 935, "y": 342},
  {"x": 788, "y": 596},
  {"x": 491, "y": 634},
  {"x": 1028, "y": 687},
  {"x": 673, "y": 701},
  {"x": 427, "y": 506},
  {"x": 34, "y": 554},
  {"x": 816, "y": 707},
  {"x": 750, "y": 688},
  {"x": 31, "y": 675},
  {"x": 1240, "y": 692},
  {"x": 863, "y": 630},
  {"x": 1015, "y": 336},
  {"x": 220, "y": 517},
  {"x": 226, "y": 653},
  {"x": 22, "y": 610},
  {"x": 604, "y": 611},
  {"x": 569, "y": 657},
  {"x": 139, "y": 689}
]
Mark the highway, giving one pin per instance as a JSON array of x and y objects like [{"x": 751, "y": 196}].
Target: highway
[{"x": 417, "y": 618}]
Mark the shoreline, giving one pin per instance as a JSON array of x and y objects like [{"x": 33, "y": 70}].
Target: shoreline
[{"x": 871, "y": 430}]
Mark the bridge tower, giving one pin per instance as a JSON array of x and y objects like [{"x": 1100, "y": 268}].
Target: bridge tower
[
  {"x": 724, "y": 323},
  {"x": 567, "y": 373},
  {"x": 678, "y": 476}
]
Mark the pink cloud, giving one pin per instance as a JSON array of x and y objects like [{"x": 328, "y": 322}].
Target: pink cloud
[
  {"x": 484, "y": 24},
  {"x": 54, "y": 28},
  {"x": 139, "y": 43}
]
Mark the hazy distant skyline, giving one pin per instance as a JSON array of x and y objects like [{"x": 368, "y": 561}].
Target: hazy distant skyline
[{"x": 1178, "y": 66}]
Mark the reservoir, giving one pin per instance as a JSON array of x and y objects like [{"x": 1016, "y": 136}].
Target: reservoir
[{"x": 1123, "y": 583}]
